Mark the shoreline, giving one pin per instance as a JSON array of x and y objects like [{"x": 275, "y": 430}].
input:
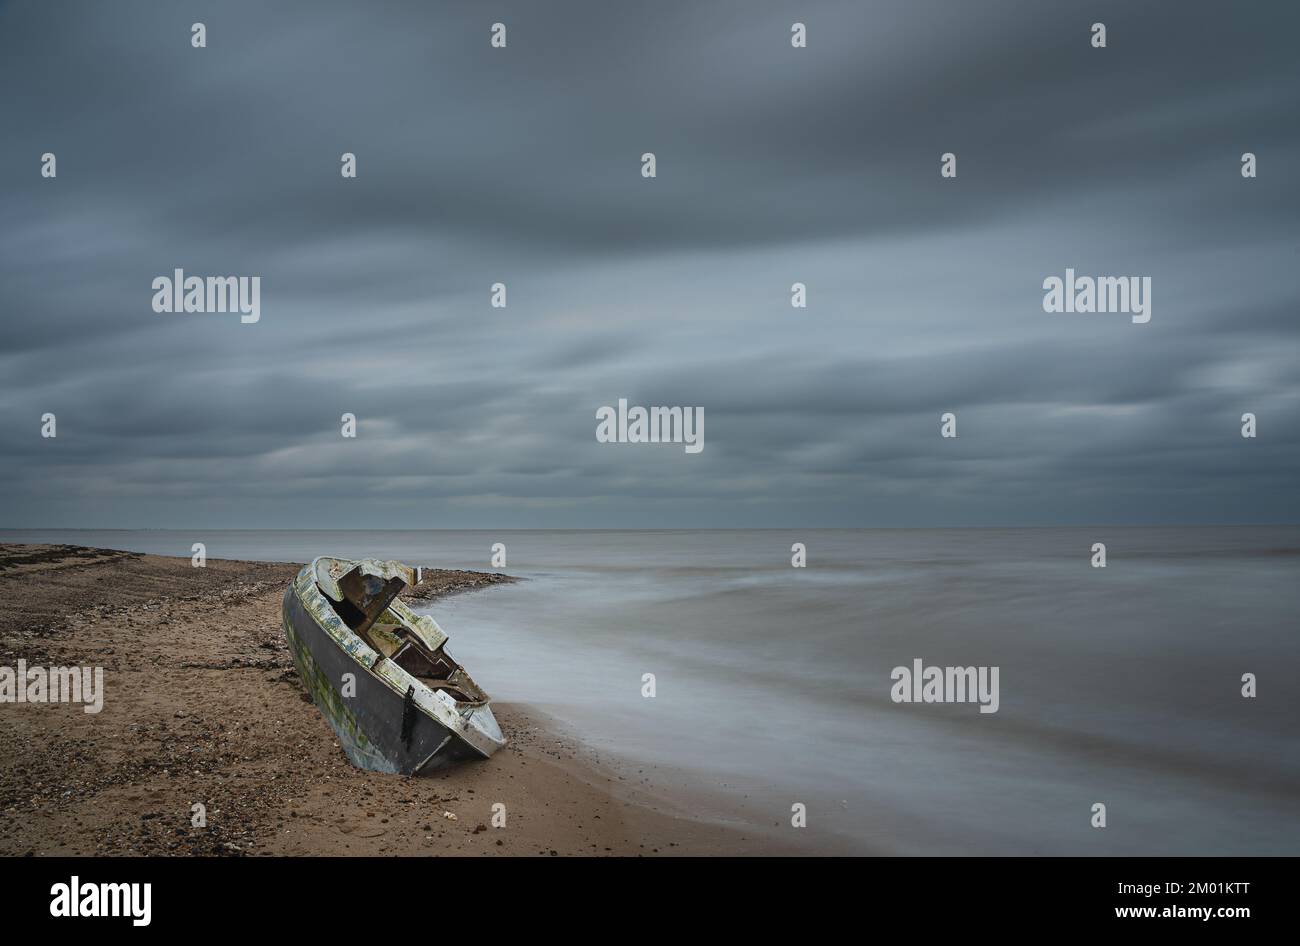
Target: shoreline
[{"x": 202, "y": 706}]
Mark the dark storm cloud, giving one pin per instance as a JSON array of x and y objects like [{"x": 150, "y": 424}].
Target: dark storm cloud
[{"x": 522, "y": 166}]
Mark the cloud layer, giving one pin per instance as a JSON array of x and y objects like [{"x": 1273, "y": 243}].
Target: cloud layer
[{"x": 522, "y": 165}]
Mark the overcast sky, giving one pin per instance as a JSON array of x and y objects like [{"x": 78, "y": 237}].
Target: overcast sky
[{"x": 522, "y": 165}]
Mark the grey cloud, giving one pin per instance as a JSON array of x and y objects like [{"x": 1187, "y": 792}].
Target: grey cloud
[{"x": 521, "y": 165}]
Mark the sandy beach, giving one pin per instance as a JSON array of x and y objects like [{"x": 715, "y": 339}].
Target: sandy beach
[{"x": 202, "y": 706}]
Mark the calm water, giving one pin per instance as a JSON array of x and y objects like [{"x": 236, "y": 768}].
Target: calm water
[{"x": 1118, "y": 685}]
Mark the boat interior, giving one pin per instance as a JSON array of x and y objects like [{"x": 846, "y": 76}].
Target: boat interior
[{"x": 365, "y": 597}]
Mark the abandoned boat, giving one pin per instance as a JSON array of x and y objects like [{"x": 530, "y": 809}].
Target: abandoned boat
[{"x": 380, "y": 673}]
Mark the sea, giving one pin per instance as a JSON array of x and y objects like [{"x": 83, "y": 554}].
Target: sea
[{"x": 1147, "y": 707}]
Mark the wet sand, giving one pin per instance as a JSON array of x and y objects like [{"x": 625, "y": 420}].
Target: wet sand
[{"x": 202, "y": 706}]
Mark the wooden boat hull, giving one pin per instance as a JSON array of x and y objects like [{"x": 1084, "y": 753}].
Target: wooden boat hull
[{"x": 380, "y": 723}]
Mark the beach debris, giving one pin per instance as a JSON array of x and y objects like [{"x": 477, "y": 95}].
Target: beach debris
[{"x": 379, "y": 673}]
